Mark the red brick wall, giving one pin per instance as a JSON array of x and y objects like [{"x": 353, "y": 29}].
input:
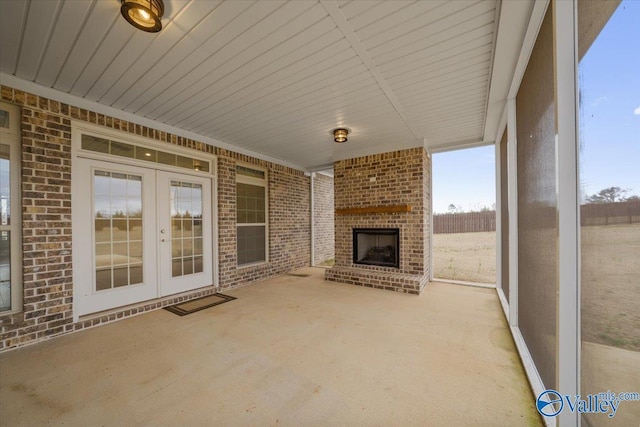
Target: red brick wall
[
  {"x": 323, "y": 219},
  {"x": 289, "y": 221},
  {"x": 399, "y": 179},
  {"x": 388, "y": 179},
  {"x": 46, "y": 199}
]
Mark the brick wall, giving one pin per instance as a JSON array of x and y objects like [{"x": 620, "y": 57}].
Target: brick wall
[
  {"x": 388, "y": 179},
  {"x": 323, "y": 219},
  {"x": 46, "y": 199},
  {"x": 289, "y": 221}
]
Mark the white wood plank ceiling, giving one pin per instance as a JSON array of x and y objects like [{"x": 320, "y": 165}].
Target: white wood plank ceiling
[{"x": 274, "y": 77}]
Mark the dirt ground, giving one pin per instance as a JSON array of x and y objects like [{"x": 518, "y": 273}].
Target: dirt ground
[
  {"x": 610, "y": 277},
  {"x": 465, "y": 256},
  {"x": 611, "y": 285}
]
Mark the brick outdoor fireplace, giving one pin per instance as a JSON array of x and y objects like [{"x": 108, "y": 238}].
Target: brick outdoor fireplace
[{"x": 382, "y": 206}]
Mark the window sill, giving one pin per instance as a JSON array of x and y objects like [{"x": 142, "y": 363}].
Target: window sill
[{"x": 253, "y": 264}]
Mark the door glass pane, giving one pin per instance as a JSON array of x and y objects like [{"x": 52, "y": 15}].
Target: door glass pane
[
  {"x": 197, "y": 246},
  {"x": 166, "y": 158},
  {"x": 176, "y": 267},
  {"x": 118, "y": 229},
  {"x": 197, "y": 264},
  {"x": 188, "y": 266},
  {"x": 5, "y": 185},
  {"x": 186, "y": 222},
  {"x": 146, "y": 154},
  {"x": 197, "y": 227},
  {"x": 135, "y": 273},
  {"x": 5, "y": 270},
  {"x": 608, "y": 34},
  {"x": 185, "y": 162},
  {"x": 103, "y": 279},
  {"x": 135, "y": 229},
  {"x": 5, "y": 234},
  {"x": 122, "y": 149},
  {"x": 4, "y": 119},
  {"x": 94, "y": 143},
  {"x": 120, "y": 276}
]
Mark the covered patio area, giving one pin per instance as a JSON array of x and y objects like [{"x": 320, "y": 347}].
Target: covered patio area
[{"x": 292, "y": 350}]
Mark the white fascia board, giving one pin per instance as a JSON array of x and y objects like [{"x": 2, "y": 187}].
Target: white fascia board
[
  {"x": 513, "y": 20},
  {"x": 459, "y": 145}
]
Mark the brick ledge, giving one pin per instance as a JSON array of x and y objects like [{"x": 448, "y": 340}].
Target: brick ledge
[{"x": 391, "y": 281}]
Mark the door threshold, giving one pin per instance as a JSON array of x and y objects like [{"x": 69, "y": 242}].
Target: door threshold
[{"x": 147, "y": 305}]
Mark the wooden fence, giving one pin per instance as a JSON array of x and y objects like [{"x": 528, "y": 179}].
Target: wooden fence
[
  {"x": 469, "y": 222},
  {"x": 610, "y": 213},
  {"x": 590, "y": 214}
]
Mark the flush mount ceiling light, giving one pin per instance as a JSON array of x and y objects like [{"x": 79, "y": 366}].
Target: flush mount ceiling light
[
  {"x": 340, "y": 134},
  {"x": 143, "y": 14}
]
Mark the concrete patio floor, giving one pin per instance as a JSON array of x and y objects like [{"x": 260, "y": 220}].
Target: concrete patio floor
[{"x": 290, "y": 351}]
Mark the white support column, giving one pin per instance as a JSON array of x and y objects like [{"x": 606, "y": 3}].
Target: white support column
[
  {"x": 512, "y": 188},
  {"x": 499, "y": 231},
  {"x": 568, "y": 326},
  {"x": 499, "y": 248},
  {"x": 430, "y": 215},
  {"x": 313, "y": 240}
]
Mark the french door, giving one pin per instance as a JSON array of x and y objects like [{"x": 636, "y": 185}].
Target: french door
[
  {"x": 139, "y": 234},
  {"x": 184, "y": 221}
]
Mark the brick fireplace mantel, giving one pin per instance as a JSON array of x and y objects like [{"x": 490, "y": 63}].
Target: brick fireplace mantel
[{"x": 388, "y": 190}]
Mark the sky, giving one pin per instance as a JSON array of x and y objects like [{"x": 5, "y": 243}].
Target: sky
[
  {"x": 465, "y": 178},
  {"x": 609, "y": 123},
  {"x": 610, "y": 105}
]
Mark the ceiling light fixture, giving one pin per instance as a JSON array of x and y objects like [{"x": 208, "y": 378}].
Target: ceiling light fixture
[
  {"x": 340, "y": 134},
  {"x": 143, "y": 14}
]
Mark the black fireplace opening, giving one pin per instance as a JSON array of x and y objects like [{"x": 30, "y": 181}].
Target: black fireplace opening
[{"x": 377, "y": 246}]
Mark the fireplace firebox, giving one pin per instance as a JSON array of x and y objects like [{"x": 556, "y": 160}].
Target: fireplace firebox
[{"x": 377, "y": 246}]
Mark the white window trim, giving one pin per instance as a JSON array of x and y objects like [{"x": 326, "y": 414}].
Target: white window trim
[
  {"x": 263, "y": 182},
  {"x": 80, "y": 128},
  {"x": 12, "y": 136}
]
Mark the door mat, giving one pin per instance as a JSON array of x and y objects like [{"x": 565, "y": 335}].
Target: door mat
[{"x": 188, "y": 307}]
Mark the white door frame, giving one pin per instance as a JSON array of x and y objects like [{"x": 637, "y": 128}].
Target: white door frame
[{"x": 80, "y": 128}]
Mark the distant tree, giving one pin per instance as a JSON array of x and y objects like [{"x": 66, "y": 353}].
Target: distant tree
[
  {"x": 453, "y": 208},
  {"x": 608, "y": 195},
  {"x": 488, "y": 208}
]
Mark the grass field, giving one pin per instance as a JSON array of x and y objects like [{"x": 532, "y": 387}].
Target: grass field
[
  {"x": 610, "y": 277},
  {"x": 611, "y": 285},
  {"x": 465, "y": 256}
]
